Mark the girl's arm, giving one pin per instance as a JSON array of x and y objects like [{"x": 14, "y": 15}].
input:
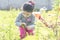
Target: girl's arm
[{"x": 18, "y": 20}]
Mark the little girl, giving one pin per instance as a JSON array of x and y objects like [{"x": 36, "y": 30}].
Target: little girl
[{"x": 25, "y": 20}]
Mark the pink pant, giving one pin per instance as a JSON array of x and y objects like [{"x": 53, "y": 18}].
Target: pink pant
[{"x": 23, "y": 32}]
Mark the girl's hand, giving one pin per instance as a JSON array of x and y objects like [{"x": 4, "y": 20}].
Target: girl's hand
[
  {"x": 23, "y": 24},
  {"x": 30, "y": 28}
]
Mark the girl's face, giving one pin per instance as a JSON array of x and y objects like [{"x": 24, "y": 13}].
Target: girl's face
[{"x": 27, "y": 14}]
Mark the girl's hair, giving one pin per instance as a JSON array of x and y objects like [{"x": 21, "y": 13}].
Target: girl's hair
[{"x": 28, "y": 6}]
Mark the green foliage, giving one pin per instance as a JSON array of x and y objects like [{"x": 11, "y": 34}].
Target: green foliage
[{"x": 9, "y": 31}]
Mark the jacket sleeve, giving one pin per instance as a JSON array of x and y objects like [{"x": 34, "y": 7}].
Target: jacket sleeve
[{"x": 18, "y": 20}]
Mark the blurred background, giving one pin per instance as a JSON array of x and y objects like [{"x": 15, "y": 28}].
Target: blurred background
[
  {"x": 7, "y": 4},
  {"x": 48, "y": 9}
]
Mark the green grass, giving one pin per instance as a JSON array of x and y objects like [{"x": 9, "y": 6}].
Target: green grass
[{"x": 9, "y": 31}]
